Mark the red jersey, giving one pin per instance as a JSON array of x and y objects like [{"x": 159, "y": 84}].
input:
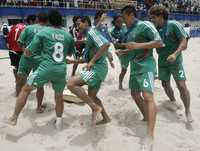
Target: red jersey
[{"x": 13, "y": 36}]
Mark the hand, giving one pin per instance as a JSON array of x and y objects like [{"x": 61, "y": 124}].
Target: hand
[
  {"x": 131, "y": 45},
  {"x": 120, "y": 52},
  {"x": 88, "y": 66},
  {"x": 171, "y": 58},
  {"x": 70, "y": 61},
  {"x": 27, "y": 53}
]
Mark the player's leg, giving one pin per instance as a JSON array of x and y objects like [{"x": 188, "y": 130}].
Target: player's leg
[
  {"x": 146, "y": 85},
  {"x": 180, "y": 78},
  {"x": 40, "y": 96},
  {"x": 121, "y": 77},
  {"x": 92, "y": 92},
  {"x": 139, "y": 100},
  {"x": 168, "y": 90},
  {"x": 74, "y": 85},
  {"x": 124, "y": 61},
  {"x": 20, "y": 103}
]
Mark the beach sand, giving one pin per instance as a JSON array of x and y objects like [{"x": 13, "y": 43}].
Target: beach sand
[{"x": 36, "y": 132}]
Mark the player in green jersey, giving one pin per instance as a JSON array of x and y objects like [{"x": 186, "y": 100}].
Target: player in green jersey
[
  {"x": 170, "y": 57},
  {"x": 27, "y": 64},
  {"x": 54, "y": 44},
  {"x": 94, "y": 73},
  {"x": 142, "y": 37},
  {"x": 118, "y": 34}
]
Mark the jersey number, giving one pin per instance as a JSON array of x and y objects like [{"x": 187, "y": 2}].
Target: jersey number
[
  {"x": 145, "y": 83},
  {"x": 181, "y": 73},
  {"x": 58, "y": 52}
]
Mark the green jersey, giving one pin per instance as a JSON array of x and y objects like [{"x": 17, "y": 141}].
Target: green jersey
[
  {"x": 27, "y": 36},
  {"x": 118, "y": 34},
  {"x": 171, "y": 33},
  {"x": 142, "y": 59},
  {"x": 54, "y": 44},
  {"x": 94, "y": 40}
]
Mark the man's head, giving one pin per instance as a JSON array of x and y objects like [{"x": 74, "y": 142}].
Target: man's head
[
  {"x": 99, "y": 16},
  {"x": 55, "y": 18},
  {"x": 76, "y": 20},
  {"x": 128, "y": 14},
  {"x": 85, "y": 23},
  {"x": 158, "y": 15},
  {"x": 117, "y": 21},
  {"x": 42, "y": 18},
  {"x": 31, "y": 19}
]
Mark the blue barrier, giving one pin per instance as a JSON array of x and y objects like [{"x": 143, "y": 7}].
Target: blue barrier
[
  {"x": 25, "y": 11},
  {"x": 2, "y": 42},
  {"x": 195, "y": 32}
]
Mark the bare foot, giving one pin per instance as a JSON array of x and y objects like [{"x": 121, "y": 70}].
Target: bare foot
[
  {"x": 173, "y": 106},
  {"x": 121, "y": 88},
  {"x": 104, "y": 121},
  {"x": 147, "y": 144},
  {"x": 189, "y": 117},
  {"x": 11, "y": 121},
  {"x": 95, "y": 113}
]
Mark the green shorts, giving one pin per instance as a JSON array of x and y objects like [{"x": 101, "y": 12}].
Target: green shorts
[
  {"x": 45, "y": 74},
  {"x": 166, "y": 72},
  {"x": 26, "y": 65},
  {"x": 124, "y": 61},
  {"x": 142, "y": 82},
  {"x": 91, "y": 79}
]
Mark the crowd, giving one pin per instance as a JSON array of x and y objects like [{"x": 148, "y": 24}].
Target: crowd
[
  {"x": 179, "y": 6},
  {"x": 175, "y": 6}
]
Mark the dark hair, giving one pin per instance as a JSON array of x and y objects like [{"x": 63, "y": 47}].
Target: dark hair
[
  {"x": 99, "y": 14},
  {"x": 158, "y": 10},
  {"x": 42, "y": 17},
  {"x": 115, "y": 18},
  {"x": 55, "y": 18},
  {"x": 128, "y": 10},
  {"x": 30, "y": 19},
  {"x": 75, "y": 18},
  {"x": 86, "y": 19}
]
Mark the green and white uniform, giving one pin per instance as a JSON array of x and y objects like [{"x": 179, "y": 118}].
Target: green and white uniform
[
  {"x": 94, "y": 77},
  {"x": 171, "y": 33},
  {"x": 54, "y": 44},
  {"x": 26, "y": 64},
  {"x": 118, "y": 34},
  {"x": 143, "y": 66}
]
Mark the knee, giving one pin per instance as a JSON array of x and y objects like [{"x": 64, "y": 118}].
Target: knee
[
  {"x": 165, "y": 84},
  {"x": 27, "y": 88},
  {"x": 70, "y": 84},
  {"x": 20, "y": 78},
  {"x": 181, "y": 85},
  {"x": 136, "y": 96},
  {"x": 148, "y": 97}
]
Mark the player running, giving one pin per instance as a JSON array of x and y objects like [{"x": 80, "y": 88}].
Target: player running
[
  {"x": 54, "y": 43},
  {"x": 27, "y": 64}
]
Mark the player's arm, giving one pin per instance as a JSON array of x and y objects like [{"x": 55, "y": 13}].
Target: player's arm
[
  {"x": 101, "y": 43},
  {"x": 102, "y": 50},
  {"x": 183, "y": 38},
  {"x": 22, "y": 38},
  {"x": 149, "y": 32},
  {"x": 34, "y": 46}
]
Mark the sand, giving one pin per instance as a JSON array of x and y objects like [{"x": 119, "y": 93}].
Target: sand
[{"x": 35, "y": 132}]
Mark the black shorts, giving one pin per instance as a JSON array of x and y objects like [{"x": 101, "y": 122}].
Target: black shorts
[{"x": 15, "y": 58}]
